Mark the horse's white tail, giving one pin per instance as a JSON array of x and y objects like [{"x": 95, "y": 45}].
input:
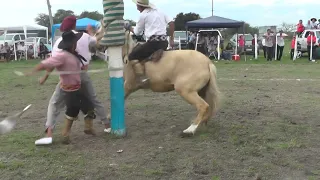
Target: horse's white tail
[{"x": 210, "y": 93}]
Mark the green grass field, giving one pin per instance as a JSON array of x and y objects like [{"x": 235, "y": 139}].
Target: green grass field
[{"x": 264, "y": 127}]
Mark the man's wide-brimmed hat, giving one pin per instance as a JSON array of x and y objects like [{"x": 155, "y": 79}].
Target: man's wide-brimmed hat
[
  {"x": 144, "y": 3},
  {"x": 69, "y": 38},
  {"x": 313, "y": 19}
]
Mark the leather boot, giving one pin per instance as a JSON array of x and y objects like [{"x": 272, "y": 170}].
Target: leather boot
[
  {"x": 66, "y": 131},
  {"x": 88, "y": 127}
]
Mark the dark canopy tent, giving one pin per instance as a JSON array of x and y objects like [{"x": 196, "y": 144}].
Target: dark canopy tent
[{"x": 214, "y": 22}]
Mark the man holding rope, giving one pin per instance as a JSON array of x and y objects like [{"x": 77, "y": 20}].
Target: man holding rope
[{"x": 57, "y": 103}]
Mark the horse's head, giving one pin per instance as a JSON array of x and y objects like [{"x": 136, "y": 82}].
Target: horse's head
[{"x": 129, "y": 44}]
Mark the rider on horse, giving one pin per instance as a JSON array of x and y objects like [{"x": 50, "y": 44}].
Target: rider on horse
[{"x": 154, "y": 25}]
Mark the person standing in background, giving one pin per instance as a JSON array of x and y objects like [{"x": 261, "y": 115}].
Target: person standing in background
[
  {"x": 269, "y": 44},
  {"x": 264, "y": 48},
  {"x": 313, "y": 23},
  {"x": 308, "y": 26},
  {"x": 300, "y": 27},
  {"x": 293, "y": 41},
  {"x": 192, "y": 40},
  {"x": 311, "y": 38},
  {"x": 241, "y": 42},
  {"x": 280, "y": 45}
]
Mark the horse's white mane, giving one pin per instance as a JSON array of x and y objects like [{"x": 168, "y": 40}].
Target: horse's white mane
[{"x": 129, "y": 42}]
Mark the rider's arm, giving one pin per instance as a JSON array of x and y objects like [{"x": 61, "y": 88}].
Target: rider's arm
[
  {"x": 171, "y": 26},
  {"x": 138, "y": 30}
]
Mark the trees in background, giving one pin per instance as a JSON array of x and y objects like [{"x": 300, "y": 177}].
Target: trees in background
[
  {"x": 179, "y": 21},
  {"x": 43, "y": 19}
]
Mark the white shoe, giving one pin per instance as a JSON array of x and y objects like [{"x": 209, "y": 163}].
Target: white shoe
[
  {"x": 44, "y": 141},
  {"x": 144, "y": 80},
  {"x": 107, "y": 130}
]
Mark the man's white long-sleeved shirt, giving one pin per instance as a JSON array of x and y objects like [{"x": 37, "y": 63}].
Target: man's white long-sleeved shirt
[
  {"x": 82, "y": 46},
  {"x": 152, "y": 22}
]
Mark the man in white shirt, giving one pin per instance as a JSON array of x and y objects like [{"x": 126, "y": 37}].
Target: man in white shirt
[
  {"x": 264, "y": 47},
  {"x": 57, "y": 103},
  {"x": 313, "y": 23},
  {"x": 154, "y": 25},
  {"x": 280, "y": 45},
  {"x": 269, "y": 44}
]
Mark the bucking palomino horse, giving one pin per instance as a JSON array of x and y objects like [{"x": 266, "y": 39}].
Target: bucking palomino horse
[{"x": 190, "y": 73}]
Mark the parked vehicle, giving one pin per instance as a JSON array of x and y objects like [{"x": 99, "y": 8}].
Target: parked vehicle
[
  {"x": 248, "y": 41},
  {"x": 11, "y": 39},
  {"x": 183, "y": 39},
  {"x": 302, "y": 39}
]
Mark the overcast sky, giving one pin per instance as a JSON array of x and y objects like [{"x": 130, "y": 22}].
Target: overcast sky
[{"x": 255, "y": 12}]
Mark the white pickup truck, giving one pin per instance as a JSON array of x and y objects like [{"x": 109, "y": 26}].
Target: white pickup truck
[{"x": 302, "y": 39}]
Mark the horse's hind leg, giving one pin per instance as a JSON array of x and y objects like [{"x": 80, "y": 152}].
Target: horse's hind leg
[{"x": 202, "y": 108}]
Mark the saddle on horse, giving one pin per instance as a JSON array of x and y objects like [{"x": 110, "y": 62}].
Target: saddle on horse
[{"x": 155, "y": 56}]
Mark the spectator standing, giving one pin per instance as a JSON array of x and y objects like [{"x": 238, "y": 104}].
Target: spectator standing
[
  {"x": 313, "y": 23},
  {"x": 264, "y": 48},
  {"x": 308, "y": 26},
  {"x": 280, "y": 45},
  {"x": 293, "y": 41},
  {"x": 269, "y": 44},
  {"x": 241, "y": 42},
  {"x": 192, "y": 40},
  {"x": 8, "y": 50},
  {"x": 311, "y": 38},
  {"x": 3, "y": 52},
  {"x": 300, "y": 27}
]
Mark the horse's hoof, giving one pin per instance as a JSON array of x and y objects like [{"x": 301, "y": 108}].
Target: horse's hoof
[
  {"x": 191, "y": 129},
  {"x": 184, "y": 135}
]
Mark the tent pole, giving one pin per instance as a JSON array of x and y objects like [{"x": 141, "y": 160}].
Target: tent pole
[
  {"x": 236, "y": 53},
  {"x": 212, "y": 7},
  {"x": 196, "y": 46},
  {"x": 5, "y": 35},
  {"x": 245, "y": 54},
  {"x": 187, "y": 39}
]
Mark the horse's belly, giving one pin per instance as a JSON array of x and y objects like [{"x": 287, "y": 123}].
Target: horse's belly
[{"x": 161, "y": 87}]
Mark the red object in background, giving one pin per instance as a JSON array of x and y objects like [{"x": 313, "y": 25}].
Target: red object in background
[{"x": 236, "y": 57}]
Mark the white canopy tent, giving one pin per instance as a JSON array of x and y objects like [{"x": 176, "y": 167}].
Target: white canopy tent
[{"x": 24, "y": 28}]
